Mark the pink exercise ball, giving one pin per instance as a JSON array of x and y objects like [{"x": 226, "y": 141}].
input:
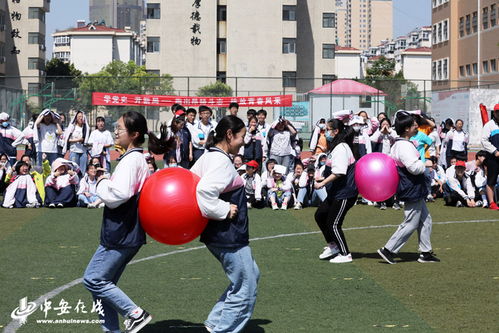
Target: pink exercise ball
[{"x": 376, "y": 177}]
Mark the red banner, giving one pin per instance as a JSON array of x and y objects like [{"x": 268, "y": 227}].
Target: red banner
[{"x": 116, "y": 99}]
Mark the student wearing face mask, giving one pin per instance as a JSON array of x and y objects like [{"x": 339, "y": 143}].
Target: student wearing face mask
[
  {"x": 361, "y": 141},
  {"x": 318, "y": 142},
  {"x": 8, "y": 134}
]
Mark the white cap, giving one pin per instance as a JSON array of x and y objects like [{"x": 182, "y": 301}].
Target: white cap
[
  {"x": 356, "y": 120},
  {"x": 4, "y": 116},
  {"x": 279, "y": 169}
]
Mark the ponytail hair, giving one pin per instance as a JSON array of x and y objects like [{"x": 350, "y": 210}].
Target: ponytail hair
[
  {"x": 163, "y": 144},
  {"x": 232, "y": 123},
  {"x": 345, "y": 134},
  {"x": 136, "y": 122}
]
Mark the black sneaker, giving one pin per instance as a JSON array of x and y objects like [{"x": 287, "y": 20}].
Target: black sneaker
[
  {"x": 133, "y": 325},
  {"x": 425, "y": 257},
  {"x": 386, "y": 255}
]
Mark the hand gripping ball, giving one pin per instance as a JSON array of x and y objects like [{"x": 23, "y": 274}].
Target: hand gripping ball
[
  {"x": 168, "y": 208},
  {"x": 376, "y": 177}
]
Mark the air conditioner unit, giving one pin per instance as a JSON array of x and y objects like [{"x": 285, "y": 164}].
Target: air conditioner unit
[
  {"x": 2, "y": 60},
  {"x": 42, "y": 47}
]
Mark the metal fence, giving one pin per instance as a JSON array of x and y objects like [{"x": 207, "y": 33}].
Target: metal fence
[{"x": 65, "y": 95}]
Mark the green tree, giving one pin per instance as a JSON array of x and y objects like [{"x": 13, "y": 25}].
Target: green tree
[
  {"x": 61, "y": 73},
  {"x": 216, "y": 89},
  {"x": 125, "y": 78},
  {"x": 401, "y": 94}
]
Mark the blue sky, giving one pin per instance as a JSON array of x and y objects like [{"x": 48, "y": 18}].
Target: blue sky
[{"x": 408, "y": 14}]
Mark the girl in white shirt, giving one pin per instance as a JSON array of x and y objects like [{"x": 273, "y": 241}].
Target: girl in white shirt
[
  {"x": 76, "y": 136},
  {"x": 101, "y": 141},
  {"x": 457, "y": 142},
  {"x": 221, "y": 198},
  {"x": 45, "y": 135}
]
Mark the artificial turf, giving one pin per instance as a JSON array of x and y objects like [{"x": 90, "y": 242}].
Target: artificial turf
[{"x": 42, "y": 249}]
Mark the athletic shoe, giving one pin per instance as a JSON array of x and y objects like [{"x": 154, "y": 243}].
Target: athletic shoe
[
  {"x": 10, "y": 207},
  {"x": 396, "y": 206},
  {"x": 133, "y": 325},
  {"x": 387, "y": 256},
  {"x": 208, "y": 328},
  {"x": 493, "y": 206},
  {"x": 52, "y": 205},
  {"x": 284, "y": 206},
  {"x": 479, "y": 203},
  {"x": 101, "y": 205},
  {"x": 297, "y": 206},
  {"x": 485, "y": 204},
  {"x": 275, "y": 207},
  {"x": 382, "y": 206},
  {"x": 459, "y": 204},
  {"x": 249, "y": 205},
  {"x": 60, "y": 205},
  {"x": 91, "y": 205},
  {"x": 341, "y": 259},
  {"x": 426, "y": 257},
  {"x": 31, "y": 205},
  {"x": 329, "y": 251},
  {"x": 430, "y": 198}
]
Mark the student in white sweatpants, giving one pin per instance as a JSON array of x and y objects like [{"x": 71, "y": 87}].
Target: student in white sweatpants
[{"x": 412, "y": 190}]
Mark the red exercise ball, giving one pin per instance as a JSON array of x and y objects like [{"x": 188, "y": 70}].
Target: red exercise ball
[{"x": 168, "y": 208}]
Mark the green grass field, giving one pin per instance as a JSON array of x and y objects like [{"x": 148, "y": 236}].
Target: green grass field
[{"x": 42, "y": 249}]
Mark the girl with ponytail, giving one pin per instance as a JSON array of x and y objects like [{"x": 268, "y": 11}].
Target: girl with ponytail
[{"x": 222, "y": 199}]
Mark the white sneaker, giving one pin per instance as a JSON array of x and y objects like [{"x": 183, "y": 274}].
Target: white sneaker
[
  {"x": 329, "y": 251},
  {"x": 275, "y": 207},
  {"x": 91, "y": 205},
  {"x": 297, "y": 206},
  {"x": 31, "y": 205},
  {"x": 479, "y": 203},
  {"x": 248, "y": 204},
  {"x": 341, "y": 259},
  {"x": 284, "y": 207},
  {"x": 101, "y": 205}
]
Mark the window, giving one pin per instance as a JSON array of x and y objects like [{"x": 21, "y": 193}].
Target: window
[
  {"x": 222, "y": 77},
  {"x": 153, "y": 11},
  {"x": 475, "y": 68},
  {"x": 493, "y": 65},
  {"x": 327, "y": 51},
  {"x": 221, "y": 13},
  {"x": 288, "y": 45},
  {"x": 468, "y": 70},
  {"x": 289, "y": 13},
  {"x": 445, "y": 72},
  {"x": 35, "y": 63},
  {"x": 446, "y": 30},
  {"x": 365, "y": 102},
  {"x": 461, "y": 27},
  {"x": 221, "y": 46},
  {"x": 152, "y": 44},
  {"x": 468, "y": 24},
  {"x": 33, "y": 88},
  {"x": 434, "y": 35},
  {"x": 485, "y": 66},
  {"x": 328, "y": 78},
  {"x": 36, "y": 38},
  {"x": 36, "y": 13},
  {"x": 289, "y": 79},
  {"x": 485, "y": 18},
  {"x": 439, "y": 36},
  {"x": 461, "y": 71},
  {"x": 62, "y": 41},
  {"x": 493, "y": 15},
  {"x": 434, "y": 70},
  {"x": 475, "y": 22},
  {"x": 328, "y": 20},
  {"x": 439, "y": 70}
]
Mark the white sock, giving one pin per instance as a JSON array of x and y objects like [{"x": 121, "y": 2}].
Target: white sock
[
  {"x": 136, "y": 313},
  {"x": 484, "y": 198}
]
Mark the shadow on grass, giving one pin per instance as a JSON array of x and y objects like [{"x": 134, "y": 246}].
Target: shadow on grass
[
  {"x": 181, "y": 326},
  {"x": 399, "y": 258}
]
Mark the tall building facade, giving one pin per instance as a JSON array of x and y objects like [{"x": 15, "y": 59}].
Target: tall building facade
[
  {"x": 465, "y": 38},
  {"x": 22, "y": 44},
  {"x": 290, "y": 40},
  {"x": 364, "y": 23},
  {"x": 118, "y": 13}
]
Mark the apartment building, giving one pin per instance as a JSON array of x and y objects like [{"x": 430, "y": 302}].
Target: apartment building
[{"x": 117, "y": 13}]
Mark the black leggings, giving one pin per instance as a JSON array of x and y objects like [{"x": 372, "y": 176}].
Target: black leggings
[{"x": 329, "y": 217}]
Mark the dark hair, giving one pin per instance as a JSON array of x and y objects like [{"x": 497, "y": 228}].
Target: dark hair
[
  {"x": 95, "y": 157},
  {"x": 262, "y": 111},
  {"x": 180, "y": 107},
  {"x": 382, "y": 113},
  {"x": 270, "y": 160},
  {"x": 163, "y": 144},
  {"x": 403, "y": 120},
  {"x": 459, "y": 120},
  {"x": 152, "y": 162},
  {"x": 205, "y": 108},
  {"x": 173, "y": 108},
  {"x": 136, "y": 122},
  {"x": 299, "y": 163},
  {"x": 345, "y": 134},
  {"x": 480, "y": 153},
  {"x": 191, "y": 110},
  {"x": 234, "y": 105},
  {"x": 232, "y": 123},
  {"x": 240, "y": 156},
  {"x": 322, "y": 121},
  {"x": 93, "y": 165},
  {"x": 176, "y": 122},
  {"x": 252, "y": 118},
  {"x": 281, "y": 125},
  {"x": 99, "y": 119},
  {"x": 360, "y": 112},
  {"x": 25, "y": 155},
  {"x": 385, "y": 120},
  {"x": 433, "y": 159},
  {"x": 252, "y": 112},
  {"x": 34, "y": 117},
  {"x": 447, "y": 123},
  {"x": 19, "y": 165}
]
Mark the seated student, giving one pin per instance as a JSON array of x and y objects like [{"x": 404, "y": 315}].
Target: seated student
[
  {"x": 5, "y": 172},
  {"x": 21, "y": 193},
  {"x": 308, "y": 196},
  {"x": 253, "y": 185},
  {"x": 238, "y": 161},
  {"x": 476, "y": 170},
  {"x": 38, "y": 174},
  {"x": 151, "y": 164},
  {"x": 458, "y": 190},
  {"x": 294, "y": 179},
  {"x": 438, "y": 178},
  {"x": 172, "y": 162},
  {"x": 266, "y": 173},
  {"x": 87, "y": 193},
  {"x": 60, "y": 185},
  {"x": 279, "y": 189}
]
